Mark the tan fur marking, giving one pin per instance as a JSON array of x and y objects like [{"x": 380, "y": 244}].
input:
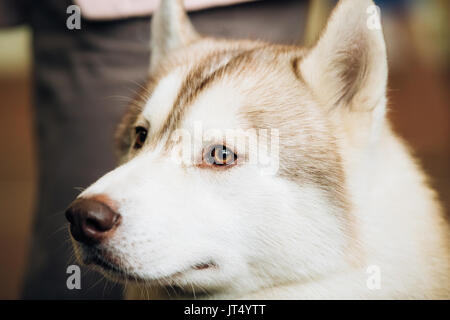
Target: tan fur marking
[{"x": 196, "y": 81}]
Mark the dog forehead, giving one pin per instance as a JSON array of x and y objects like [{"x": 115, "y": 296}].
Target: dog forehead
[
  {"x": 217, "y": 107},
  {"x": 211, "y": 89},
  {"x": 176, "y": 93},
  {"x": 160, "y": 103}
]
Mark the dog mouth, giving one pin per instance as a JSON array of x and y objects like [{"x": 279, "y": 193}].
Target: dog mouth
[
  {"x": 204, "y": 266},
  {"x": 106, "y": 262},
  {"x": 111, "y": 266}
]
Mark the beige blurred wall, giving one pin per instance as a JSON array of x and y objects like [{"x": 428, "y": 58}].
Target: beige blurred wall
[
  {"x": 17, "y": 166},
  {"x": 15, "y": 52}
]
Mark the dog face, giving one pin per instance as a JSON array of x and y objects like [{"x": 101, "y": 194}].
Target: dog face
[{"x": 232, "y": 173}]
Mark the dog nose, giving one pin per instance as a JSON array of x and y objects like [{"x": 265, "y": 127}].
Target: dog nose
[{"x": 91, "y": 221}]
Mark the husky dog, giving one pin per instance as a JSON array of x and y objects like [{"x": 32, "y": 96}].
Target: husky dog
[{"x": 346, "y": 214}]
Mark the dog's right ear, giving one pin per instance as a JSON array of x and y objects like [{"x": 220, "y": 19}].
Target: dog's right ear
[{"x": 171, "y": 30}]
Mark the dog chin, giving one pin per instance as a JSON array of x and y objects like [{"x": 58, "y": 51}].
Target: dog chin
[{"x": 111, "y": 267}]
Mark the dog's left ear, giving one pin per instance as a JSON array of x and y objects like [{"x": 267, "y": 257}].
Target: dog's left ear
[
  {"x": 171, "y": 30},
  {"x": 348, "y": 65}
]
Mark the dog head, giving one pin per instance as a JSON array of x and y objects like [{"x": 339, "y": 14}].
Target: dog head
[{"x": 233, "y": 159}]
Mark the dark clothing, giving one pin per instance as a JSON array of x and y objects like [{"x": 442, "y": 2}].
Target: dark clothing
[{"x": 78, "y": 77}]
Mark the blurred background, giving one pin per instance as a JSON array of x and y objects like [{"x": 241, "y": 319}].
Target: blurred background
[{"x": 417, "y": 35}]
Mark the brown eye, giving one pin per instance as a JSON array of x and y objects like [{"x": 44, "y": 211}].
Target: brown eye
[
  {"x": 141, "y": 136},
  {"x": 220, "y": 155}
]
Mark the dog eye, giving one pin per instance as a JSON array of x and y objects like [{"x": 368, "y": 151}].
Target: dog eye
[
  {"x": 141, "y": 136},
  {"x": 220, "y": 155}
]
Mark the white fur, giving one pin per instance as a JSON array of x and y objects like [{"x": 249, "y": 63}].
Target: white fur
[
  {"x": 160, "y": 103},
  {"x": 273, "y": 237}
]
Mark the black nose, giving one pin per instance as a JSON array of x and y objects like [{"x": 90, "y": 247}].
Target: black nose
[{"x": 91, "y": 221}]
